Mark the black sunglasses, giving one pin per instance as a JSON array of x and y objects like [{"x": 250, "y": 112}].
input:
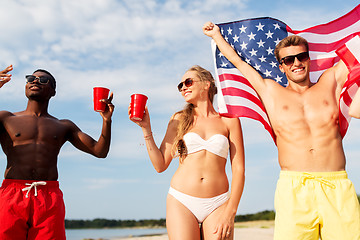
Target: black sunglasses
[
  {"x": 289, "y": 60},
  {"x": 41, "y": 79},
  {"x": 188, "y": 83}
]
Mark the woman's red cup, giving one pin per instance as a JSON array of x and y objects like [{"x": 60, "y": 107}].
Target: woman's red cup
[
  {"x": 137, "y": 106},
  {"x": 100, "y": 93}
]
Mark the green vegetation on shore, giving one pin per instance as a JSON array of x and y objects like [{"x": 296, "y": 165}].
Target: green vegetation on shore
[
  {"x": 110, "y": 223},
  {"x": 265, "y": 215},
  {"x": 152, "y": 223}
]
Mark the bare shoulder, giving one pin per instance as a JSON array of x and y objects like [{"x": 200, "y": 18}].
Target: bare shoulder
[
  {"x": 337, "y": 73},
  {"x": 176, "y": 116},
  {"x": 5, "y": 114},
  {"x": 271, "y": 89},
  {"x": 174, "y": 120},
  {"x": 67, "y": 123},
  {"x": 327, "y": 75},
  {"x": 231, "y": 123},
  {"x": 272, "y": 85},
  {"x": 234, "y": 129}
]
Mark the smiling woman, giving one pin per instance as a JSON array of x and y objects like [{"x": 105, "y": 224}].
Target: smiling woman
[{"x": 199, "y": 190}]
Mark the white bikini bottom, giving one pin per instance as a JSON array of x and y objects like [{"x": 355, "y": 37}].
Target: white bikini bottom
[{"x": 200, "y": 207}]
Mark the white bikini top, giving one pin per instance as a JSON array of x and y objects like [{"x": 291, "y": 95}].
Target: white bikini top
[{"x": 217, "y": 144}]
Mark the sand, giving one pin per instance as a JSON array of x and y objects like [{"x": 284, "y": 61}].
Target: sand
[{"x": 254, "y": 230}]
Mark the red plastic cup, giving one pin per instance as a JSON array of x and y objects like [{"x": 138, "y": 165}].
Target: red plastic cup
[
  {"x": 100, "y": 93},
  {"x": 137, "y": 107}
]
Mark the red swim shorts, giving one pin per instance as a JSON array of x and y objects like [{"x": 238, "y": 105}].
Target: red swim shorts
[{"x": 31, "y": 210}]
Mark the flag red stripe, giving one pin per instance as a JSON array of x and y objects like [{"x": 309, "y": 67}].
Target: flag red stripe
[
  {"x": 237, "y": 78},
  {"x": 231, "y": 91},
  {"x": 347, "y": 57},
  {"x": 335, "y": 25},
  {"x": 322, "y": 64},
  {"x": 241, "y": 111},
  {"x": 329, "y": 47},
  {"x": 343, "y": 124}
]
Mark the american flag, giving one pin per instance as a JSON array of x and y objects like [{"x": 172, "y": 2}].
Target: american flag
[
  {"x": 255, "y": 39},
  {"x": 350, "y": 54}
]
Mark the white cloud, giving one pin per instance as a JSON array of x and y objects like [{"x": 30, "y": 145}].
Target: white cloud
[{"x": 125, "y": 45}]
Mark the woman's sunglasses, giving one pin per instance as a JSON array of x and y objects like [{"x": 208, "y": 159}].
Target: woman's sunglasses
[
  {"x": 289, "y": 60},
  {"x": 41, "y": 79},
  {"x": 188, "y": 83}
]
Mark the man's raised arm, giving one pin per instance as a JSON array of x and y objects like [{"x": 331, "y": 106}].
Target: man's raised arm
[
  {"x": 255, "y": 79},
  {"x": 86, "y": 143}
]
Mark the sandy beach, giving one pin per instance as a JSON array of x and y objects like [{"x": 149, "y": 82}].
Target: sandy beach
[{"x": 254, "y": 230}]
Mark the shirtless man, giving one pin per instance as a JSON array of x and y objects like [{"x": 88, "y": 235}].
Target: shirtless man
[
  {"x": 31, "y": 203},
  {"x": 314, "y": 196}
]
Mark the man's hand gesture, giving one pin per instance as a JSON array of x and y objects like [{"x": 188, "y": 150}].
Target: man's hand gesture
[{"x": 5, "y": 76}]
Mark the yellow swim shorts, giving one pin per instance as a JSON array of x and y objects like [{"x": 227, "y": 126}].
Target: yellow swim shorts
[{"x": 316, "y": 204}]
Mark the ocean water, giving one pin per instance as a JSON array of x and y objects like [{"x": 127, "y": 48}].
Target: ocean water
[{"x": 80, "y": 234}]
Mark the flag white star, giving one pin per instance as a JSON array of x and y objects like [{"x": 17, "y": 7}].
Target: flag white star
[
  {"x": 261, "y": 43},
  {"x": 260, "y": 27},
  {"x": 243, "y": 45},
  {"x": 253, "y": 52},
  {"x": 257, "y": 67},
  {"x": 276, "y": 26},
  {"x": 229, "y": 31},
  {"x": 269, "y": 34},
  {"x": 273, "y": 64},
  {"x": 278, "y": 78},
  {"x": 251, "y": 36},
  {"x": 236, "y": 38},
  {"x": 277, "y": 41},
  {"x": 270, "y": 51},
  {"x": 223, "y": 64},
  {"x": 262, "y": 59},
  {"x": 243, "y": 29},
  {"x": 248, "y": 61},
  {"x": 267, "y": 73}
]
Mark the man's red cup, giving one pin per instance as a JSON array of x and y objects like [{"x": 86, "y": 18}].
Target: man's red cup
[
  {"x": 137, "y": 106},
  {"x": 100, "y": 93}
]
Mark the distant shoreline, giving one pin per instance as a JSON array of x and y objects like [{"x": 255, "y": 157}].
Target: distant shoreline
[
  {"x": 102, "y": 223},
  {"x": 250, "y": 230}
]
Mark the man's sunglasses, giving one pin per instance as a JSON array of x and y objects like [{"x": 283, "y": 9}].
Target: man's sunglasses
[
  {"x": 188, "y": 83},
  {"x": 41, "y": 79},
  {"x": 289, "y": 60}
]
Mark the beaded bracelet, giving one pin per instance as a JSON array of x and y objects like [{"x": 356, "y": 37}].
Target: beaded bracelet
[{"x": 147, "y": 137}]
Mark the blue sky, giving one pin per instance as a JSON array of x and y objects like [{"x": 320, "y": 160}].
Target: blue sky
[{"x": 134, "y": 46}]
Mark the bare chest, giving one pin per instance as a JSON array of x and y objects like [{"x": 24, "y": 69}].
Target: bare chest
[
  {"x": 207, "y": 127},
  {"x": 304, "y": 111},
  {"x": 21, "y": 130}
]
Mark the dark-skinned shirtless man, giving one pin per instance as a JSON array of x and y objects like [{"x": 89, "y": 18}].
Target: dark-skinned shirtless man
[{"x": 31, "y": 203}]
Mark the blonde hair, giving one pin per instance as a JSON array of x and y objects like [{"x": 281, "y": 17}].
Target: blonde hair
[{"x": 186, "y": 116}]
